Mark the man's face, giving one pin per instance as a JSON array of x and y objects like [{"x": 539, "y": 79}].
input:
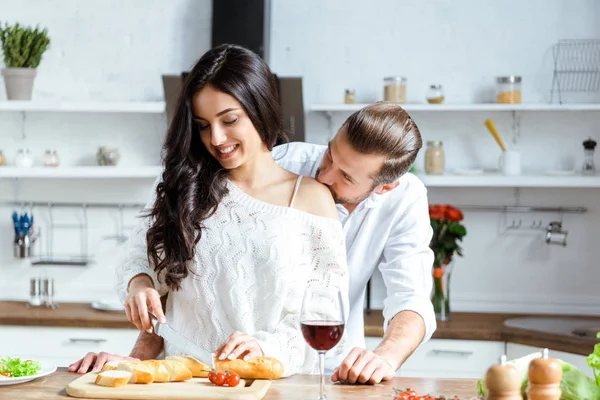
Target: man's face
[{"x": 348, "y": 173}]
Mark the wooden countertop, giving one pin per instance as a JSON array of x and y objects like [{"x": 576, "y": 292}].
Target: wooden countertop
[
  {"x": 465, "y": 326},
  {"x": 299, "y": 387},
  {"x": 489, "y": 326}
]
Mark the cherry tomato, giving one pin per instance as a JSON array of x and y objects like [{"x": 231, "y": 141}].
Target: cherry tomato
[
  {"x": 220, "y": 379},
  {"x": 7, "y": 374},
  {"x": 233, "y": 379},
  {"x": 211, "y": 377}
]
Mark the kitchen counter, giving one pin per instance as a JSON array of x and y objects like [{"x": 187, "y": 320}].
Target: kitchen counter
[
  {"x": 490, "y": 326},
  {"x": 299, "y": 387},
  {"x": 465, "y": 326}
]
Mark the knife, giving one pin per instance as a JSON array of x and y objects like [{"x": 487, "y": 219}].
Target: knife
[{"x": 183, "y": 344}]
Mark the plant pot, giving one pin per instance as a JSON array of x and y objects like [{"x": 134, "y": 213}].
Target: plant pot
[
  {"x": 19, "y": 83},
  {"x": 441, "y": 292}
]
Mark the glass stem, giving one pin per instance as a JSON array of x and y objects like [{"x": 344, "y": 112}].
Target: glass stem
[{"x": 322, "y": 373}]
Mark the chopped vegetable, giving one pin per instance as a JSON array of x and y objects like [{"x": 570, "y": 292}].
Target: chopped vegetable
[
  {"x": 410, "y": 394},
  {"x": 593, "y": 361},
  {"x": 14, "y": 367}
]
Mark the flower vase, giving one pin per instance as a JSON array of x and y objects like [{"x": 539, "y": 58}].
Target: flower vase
[{"x": 441, "y": 291}]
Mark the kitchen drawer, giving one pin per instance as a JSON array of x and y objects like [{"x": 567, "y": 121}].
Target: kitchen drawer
[
  {"x": 445, "y": 358},
  {"x": 64, "y": 343}
]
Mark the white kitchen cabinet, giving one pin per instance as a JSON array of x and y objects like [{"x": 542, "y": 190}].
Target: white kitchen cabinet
[
  {"x": 448, "y": 358},
  {"x": 514, "y": 350},
  {"x": 63, "y": 346}
]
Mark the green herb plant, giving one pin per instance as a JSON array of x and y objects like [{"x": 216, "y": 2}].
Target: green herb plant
[{"x": 23, "y": 47}]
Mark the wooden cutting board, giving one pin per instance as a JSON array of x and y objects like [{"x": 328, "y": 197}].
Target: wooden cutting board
[{"x": 195, "y": 388}]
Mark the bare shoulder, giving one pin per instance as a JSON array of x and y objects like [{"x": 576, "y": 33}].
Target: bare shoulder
[{"x": 315, "y": 198}]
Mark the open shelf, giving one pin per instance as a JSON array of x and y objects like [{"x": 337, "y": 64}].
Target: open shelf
[
  {"x": 492, "y": 180},
  {"x": 109, "y": 172},
  {"x": 465, "y": 107},
  {"x": 147, "y": 107}
]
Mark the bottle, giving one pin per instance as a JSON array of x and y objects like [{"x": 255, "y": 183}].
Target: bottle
[
  {"x": 23, "y": 158},
  {"x": 435, "y": 94},
  {"x": 503, "y": 382},
  {"x": 434, "y": 158},
  {"x": 544, "y": 376},
  {"x": 588, "y": 153}
]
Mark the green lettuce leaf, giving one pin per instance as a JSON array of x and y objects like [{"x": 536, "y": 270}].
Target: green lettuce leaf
[{"x": 15, "y": 367}]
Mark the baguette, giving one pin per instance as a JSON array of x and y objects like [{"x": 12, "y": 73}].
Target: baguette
[
  {"x": 113, "y": 378},
  {"x": 159, "y": 370},
  {"x": 176, "y": 371},
  {"x": 110, "y": 366},
  {"x": 197, "y": 368},
  {"x": 140, "y": 372},
  {"x": 255, "y": 368}
]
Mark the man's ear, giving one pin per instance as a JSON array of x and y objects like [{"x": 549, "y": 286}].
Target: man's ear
[{"x": 381, "y": 189}]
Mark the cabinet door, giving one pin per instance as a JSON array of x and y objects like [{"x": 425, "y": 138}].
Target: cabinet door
[
  {"x": 64, "y": 345},
  {"x": 445, "y": 358},
  {"x": 514, "y": 350}
]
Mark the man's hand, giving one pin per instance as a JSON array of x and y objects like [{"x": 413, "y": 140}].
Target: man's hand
[
  {"x": 97, "y": 360},
  {"x": 363, "y": 366}
]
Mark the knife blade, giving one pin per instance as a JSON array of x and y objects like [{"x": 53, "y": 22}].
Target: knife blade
[{"x": 182, "y": 343}]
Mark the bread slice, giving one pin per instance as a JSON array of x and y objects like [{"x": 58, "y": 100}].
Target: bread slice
[
  {"x": 255, "y": 368},
  {"x": 177, "y": 371},
  {"x": 141, "y": 373},
  {"x": 159, "y": 370},
  {"x": 113, "y": 378},
  {"x": 110, "y": 366},
  {"x": 197, "y": 368}
]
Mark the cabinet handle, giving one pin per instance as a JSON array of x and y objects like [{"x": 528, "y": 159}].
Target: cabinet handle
[
  {"x": 459, "y": 353},
  {"x": 86, "y": 340}
]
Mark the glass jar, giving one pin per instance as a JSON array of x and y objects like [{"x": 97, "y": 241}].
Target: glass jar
[
  {"x": 508, "y": 90},
  {"x": 2, "y": 159},
  {"x": 23, "y": 158},
  {"x": 395, "y": 89},
  {"x": 435, "y": 94},
  {"x": 51, "y": 158},
  {"x": 434, "y": 158},
  {"x": 350, "y": 96}
]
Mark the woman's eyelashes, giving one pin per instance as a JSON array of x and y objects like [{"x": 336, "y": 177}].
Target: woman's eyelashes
[{"x": 230, "y": 122}]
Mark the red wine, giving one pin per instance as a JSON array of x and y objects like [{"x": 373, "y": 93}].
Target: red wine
[{"x": 322, "y": 335}]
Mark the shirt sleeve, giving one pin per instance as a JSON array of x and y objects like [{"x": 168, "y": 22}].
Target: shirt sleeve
[
  {"x": 134, "y": 257},
  {"x": 406, "y": 265},
  {"x": 327, "y": 258}
]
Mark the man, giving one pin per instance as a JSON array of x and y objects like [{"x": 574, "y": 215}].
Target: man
[{"x": 384, "y": 213}]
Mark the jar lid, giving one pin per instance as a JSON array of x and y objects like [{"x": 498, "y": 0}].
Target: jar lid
[
  {"x": 434, "y": 143},
  {"x": 436, "y": 86},
  {"x": 395, "y": 79},
  {"x": 509, "y": 79},
  {"x": 589, "y": 144}
]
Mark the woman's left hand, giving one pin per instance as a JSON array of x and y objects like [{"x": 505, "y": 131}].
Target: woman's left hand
[{"x": 237, "y": 345}]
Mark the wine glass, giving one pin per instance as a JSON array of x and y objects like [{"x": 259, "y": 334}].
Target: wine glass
[{"x": 322, "y": 321}]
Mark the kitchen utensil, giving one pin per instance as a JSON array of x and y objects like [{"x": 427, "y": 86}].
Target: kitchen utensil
[
  {"x": 510, "y": 163},
  {"x": 182, "y": 343},
  {"x": 492, "y": 128},
  {"x": 195, "y": 388}
]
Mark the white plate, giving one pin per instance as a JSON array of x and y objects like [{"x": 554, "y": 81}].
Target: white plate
[
  {"x": 46, "y": 369},
  {"x": 107, "y": 306}
]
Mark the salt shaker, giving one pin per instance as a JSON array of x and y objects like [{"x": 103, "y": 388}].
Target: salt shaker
[
  {"x": 48, "y": 292},
  {"x": 544, "y": 376},
  {"x": 503, "y": 382},
  {"x": 34, "y": 292}
]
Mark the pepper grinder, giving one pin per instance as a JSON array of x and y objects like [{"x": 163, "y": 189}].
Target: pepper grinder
[
  {"x": 503, "y": 382},
  {"x": 588, "y": 153},
  {"x": 544, "y": 376}
]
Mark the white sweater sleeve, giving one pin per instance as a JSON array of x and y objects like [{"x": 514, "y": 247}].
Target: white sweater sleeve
[
  {"x": 327, "y": 258},
  {"x": 134, "y": 258}
]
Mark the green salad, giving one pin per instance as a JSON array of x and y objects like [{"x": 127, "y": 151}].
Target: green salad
[{"x": 14, "y": 367}]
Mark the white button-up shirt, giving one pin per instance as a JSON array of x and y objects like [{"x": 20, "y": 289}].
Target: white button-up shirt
[{"x": 391, "y": 232}]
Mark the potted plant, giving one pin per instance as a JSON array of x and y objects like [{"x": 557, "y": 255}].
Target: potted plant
[
  {"x": 447, "y": 232},
  {"x": 22, "y": 48}
]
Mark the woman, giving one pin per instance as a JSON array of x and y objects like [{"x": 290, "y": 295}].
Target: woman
[{"x": 232, "y": 237}]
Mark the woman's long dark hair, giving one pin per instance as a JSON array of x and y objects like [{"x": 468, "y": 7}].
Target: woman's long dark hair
[{"x": 193, "y": 182}]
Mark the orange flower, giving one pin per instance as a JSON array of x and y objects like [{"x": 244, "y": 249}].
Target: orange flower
[
  {"x": 438, "y": 273},
  {"x": 437, "y": 212},
  {"x": 453, "y": 214}
]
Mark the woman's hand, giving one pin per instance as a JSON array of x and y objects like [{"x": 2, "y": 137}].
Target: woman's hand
[
  {"x": 239, "y": 344},
  {"x": 96, "y": 361},
  {"x": 141, "y": 299}
]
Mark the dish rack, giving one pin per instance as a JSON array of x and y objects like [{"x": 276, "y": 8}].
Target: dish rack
[{"x": 576, "y": 67}]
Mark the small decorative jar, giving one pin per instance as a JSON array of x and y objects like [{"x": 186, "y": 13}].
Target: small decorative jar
[
  {"x": 51, "y": 158},
  {"x": 394, "y": 89},
  {"x": 350, "y": 96},
  {"x": 435, "y": 94},
  {"x": 2, "y": 159},
  {"x": 23, "y": 158},
  {"x": 434, "y": 158}
]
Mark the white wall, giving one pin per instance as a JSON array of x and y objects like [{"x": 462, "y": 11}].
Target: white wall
[{"x": 114, "y": 51}]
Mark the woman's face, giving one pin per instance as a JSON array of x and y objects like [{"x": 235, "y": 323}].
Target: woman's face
[{"x": 225, "y": 128}]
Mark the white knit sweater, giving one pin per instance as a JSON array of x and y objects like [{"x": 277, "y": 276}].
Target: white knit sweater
[{"x": 249, "y": 274}]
